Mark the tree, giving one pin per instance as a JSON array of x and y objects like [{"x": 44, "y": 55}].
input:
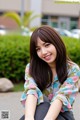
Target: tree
[{"x": 26, "y": 20}]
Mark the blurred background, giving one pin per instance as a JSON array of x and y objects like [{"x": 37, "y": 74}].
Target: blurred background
[
  {"x": 65, "y": 18},
  {"x": 19, "y": 18}
]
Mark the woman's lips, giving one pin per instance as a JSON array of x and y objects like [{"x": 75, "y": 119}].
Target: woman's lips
[{"x": 47, "y": 57}]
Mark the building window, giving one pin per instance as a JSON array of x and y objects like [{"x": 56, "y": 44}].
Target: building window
[
  {"x": 74, "y": 23},
  {"x": 50, "y": 20},
  {"x": 44, "y": 20}
]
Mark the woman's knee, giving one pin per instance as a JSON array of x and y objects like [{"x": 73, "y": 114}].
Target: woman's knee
[{"x": 41, "y": 111}]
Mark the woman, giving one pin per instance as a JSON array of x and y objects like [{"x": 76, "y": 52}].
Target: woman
[{"x": 51, "y": 78}]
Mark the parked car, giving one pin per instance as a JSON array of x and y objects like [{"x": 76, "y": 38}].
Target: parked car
[
  {"x": 63, "y": 32},
  {"x": 75, "y": 33},
  {"x": 2, "y": 30}
]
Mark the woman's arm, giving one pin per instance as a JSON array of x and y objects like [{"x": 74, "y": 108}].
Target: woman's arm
[
  {"x": 54, "y": 110},
  {"x": 66, "y": 94},
  {"x": 30, "y": 106}
]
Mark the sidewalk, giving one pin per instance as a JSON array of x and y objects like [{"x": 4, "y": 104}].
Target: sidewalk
[{"x": 11, "y": 102}]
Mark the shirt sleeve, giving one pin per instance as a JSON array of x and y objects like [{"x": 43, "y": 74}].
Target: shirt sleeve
[
  {"x": 30, "y": 87},
  {"x": 69, "y": 89}
]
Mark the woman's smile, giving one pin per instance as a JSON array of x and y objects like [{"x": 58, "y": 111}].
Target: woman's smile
[
  {"x": 47, "y": 57},
  {"x": 46, "y": 51}
]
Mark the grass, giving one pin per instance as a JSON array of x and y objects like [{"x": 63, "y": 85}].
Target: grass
[{"x": 18, "y": 87}]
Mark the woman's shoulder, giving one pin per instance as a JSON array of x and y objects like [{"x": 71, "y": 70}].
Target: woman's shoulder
[
  {"x": 27, "y": 68},
  {"x": 72, "y": 66},
  {"x": 28, "y": 64}
]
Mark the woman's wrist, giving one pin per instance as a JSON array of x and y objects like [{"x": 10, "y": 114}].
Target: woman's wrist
[
  {"x": 29, "y": 118},
  {"x": 47, "y": 119}
]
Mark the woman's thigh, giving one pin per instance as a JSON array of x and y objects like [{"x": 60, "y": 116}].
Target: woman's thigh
[
  {"x": 68, "y": 115},
  {"x": 41, "y": 111}
]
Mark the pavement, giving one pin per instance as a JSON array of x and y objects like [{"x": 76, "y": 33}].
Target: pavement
[{"x": 10, "y": 102}]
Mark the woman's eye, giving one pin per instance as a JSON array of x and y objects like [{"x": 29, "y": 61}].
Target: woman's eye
[
  {"x": 37, "y": 49},
  {"x": 47, "y": 44}
]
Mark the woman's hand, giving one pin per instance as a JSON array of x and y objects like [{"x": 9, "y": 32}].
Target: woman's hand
[
  {"x": 29, "y": 118},
  {"x": 47, "y": 118},
  {"x": 54, "y": 110}
]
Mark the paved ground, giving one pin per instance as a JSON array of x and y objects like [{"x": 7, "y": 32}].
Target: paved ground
[{"x": 11, "y": 102}]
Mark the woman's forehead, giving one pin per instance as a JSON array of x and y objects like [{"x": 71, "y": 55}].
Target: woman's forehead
[
  {"x": 43, "y": 40},
  {"x": 40, "y": 42}
]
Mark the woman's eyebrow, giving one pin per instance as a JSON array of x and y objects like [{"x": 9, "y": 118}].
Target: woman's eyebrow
[
  {"x": 37, "y": 46},
  {"x": 42, "y": 44}
]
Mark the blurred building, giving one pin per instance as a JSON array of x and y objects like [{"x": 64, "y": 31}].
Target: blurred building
[{"x": 57, "y": 15}]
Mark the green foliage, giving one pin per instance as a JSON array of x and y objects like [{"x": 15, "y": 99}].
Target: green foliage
[
  {"x": 28, "y": 17},
  {"x": 14, "y": 55},
  {"x": 14, "y": 16},
  {"x": 73, "y": 48},
  {"x": 18, "y": 87}
]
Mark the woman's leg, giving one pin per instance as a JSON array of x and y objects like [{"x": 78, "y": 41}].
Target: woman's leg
[
  {"x": 22, "y": 118},
  {"x": 42, "y": 109},
  {"x": 40, "y": 112},
  {"x": 68, "y": 115}
]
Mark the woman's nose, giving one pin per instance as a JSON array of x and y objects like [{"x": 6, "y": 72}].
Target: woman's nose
[{"x": 44, "y": 51}]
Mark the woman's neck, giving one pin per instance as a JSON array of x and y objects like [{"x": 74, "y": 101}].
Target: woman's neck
[
  {"x": 53, "y": 72},
  {"x": 53, "y": 68}
]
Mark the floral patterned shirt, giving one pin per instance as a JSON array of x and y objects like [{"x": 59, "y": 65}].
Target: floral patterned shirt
[{"x": 65, "y": 92}]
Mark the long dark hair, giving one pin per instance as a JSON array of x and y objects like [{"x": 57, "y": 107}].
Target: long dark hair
[{"x": 40, "y": 70}]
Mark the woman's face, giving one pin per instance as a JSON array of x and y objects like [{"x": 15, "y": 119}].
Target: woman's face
[{"x": 46, "y": 51}]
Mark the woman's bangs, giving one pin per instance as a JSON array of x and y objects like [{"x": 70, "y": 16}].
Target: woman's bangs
[{"x": 44, "y": 37}]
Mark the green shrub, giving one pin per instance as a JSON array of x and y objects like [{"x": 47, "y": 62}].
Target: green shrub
[
  {"x": 73, "y": 48},
  {"x": 14, "y": 55}
]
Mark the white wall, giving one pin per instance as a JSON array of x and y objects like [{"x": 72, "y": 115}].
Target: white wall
[
  {"x": 13, "y": 5},
  {"x": 36, "y": 7}
]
